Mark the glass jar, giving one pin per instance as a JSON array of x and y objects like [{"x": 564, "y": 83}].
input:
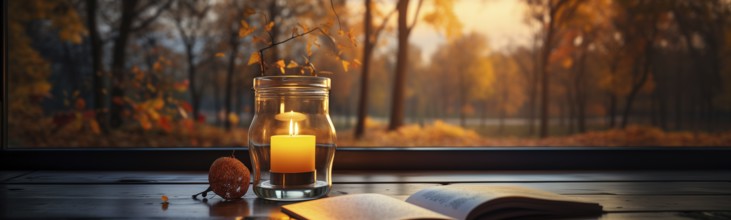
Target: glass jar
[{"x": 292, "y": 138}]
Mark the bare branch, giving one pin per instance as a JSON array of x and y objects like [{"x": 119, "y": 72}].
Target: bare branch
[
  {"x": 150, "y": 19},
  {"x": 416, "y": 16},
  {"x": 377, "y": 32},
  {"x": 332, "y": 6}
]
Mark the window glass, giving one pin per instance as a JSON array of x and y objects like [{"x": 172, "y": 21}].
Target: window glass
[{"x": 439, "y": 73}]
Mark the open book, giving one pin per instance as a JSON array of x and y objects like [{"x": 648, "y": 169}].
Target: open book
[{"x": 448, "y": 202}]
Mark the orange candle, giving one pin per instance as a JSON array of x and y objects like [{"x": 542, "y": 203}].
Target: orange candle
[{"x": 292, "y": 153}]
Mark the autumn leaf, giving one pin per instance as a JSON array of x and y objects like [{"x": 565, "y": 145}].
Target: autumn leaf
[
  {"x": 94, "y": 126},
  {"x": 164, "y": 123},
  {"x": 158, "y": 103},
  {"x": 139, "y": 74},
  {"x": 308, "y": 48},
  {"x": 352, "y": 38},
  {"x": 80, "y": 104},
  {"x": 248, "y": 11},
  {"x": 356, "y": 63},
  {"x": 255, "y": 58},
  {"x": 182, "y": 112},
  {"x": 245, "y": 29},
  {"x": 346, "y": 64},
  {"x": 280, "y": 65},
  {"x": 269, "y": 26},
  {"x": 292, "y": 64},
  {"x": 152, "y": 114},
  {"x": 186, "y": 106},
  {"x": 181, "y": 86},
  {"x": 144, "y": 122},
  {"x": 258, "y": 39},
  {"x": 304, "y": 27},
  {"x": 567, "y": 63},
  {"x": 327, "y": 25},
  {"x": 245, "y": 32},
  {"x": 151, "y": 87},
  {"x": 117, "y": 100},
  {"x": 233, "y": 119},
  {"x": 157, "y": 67},
  {"x": 219, "y": 54}
]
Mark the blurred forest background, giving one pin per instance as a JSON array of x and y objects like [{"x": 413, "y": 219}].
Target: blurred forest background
[{"x": 175, "y": 73}]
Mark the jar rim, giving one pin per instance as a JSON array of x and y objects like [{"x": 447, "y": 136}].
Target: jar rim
[{"x": 291, "y": 81}]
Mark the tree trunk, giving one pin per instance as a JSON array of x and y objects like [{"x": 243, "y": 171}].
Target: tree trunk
[
  {"x": 216, "y": 95},
  {"x": 365, "y": 71},
  {"x": 612, "y": 109},
  {"x": 501, "y": 122},
  {"x": 238, "y": 97},
  {"x": 614, "y": 65},
  {"x": 194, "y": 96},
  {"x": 397, "y": 104},
  {"x": 483, "y": 114},
  {"x": 533, "y": 85},
  {"x": 234, "y": 45},
  {"x": 74, "y": 79},
  {"x": 461, "y": 98},
  {"x": 637, "y": 86},
  {"x": 548, "y": 39},
  {"x": 98, "y": 76},
  {"x": 118, "y": 62},
  {"x": 501, "y": 115},
  {"x": 533, "y": 98},
  {"x": 664, "y": 112},
  {"x": 571, "y": 105},
  {"x": 580, "y": 91}
]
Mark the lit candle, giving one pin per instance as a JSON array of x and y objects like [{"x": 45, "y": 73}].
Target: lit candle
[{"x": 293, "y": 153}]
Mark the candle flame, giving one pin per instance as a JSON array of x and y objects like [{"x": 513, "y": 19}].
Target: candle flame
[
  {"x": 296, "y": 129},
  {"x": 294, "y": 117},
  {"x": 291, "y": 127}
]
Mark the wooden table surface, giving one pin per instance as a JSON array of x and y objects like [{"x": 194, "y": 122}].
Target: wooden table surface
[{"x": 134, "y": 195}]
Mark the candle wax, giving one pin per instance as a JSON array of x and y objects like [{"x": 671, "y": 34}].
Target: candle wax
[{"x": 292, "y": 153}]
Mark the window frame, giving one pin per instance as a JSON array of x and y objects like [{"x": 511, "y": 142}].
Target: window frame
[
  {"x": 388, "y": 158},
  {"x": 355, "y": 158}
]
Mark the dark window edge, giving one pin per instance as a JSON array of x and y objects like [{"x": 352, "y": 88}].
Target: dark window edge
[{"x": 392, "y": 158}]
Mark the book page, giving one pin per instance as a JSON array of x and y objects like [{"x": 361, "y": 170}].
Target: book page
[
  {"x": 468, "y": 201},
  {"x": 359, "y": 206},
  {"x": 448, "y": 200}
]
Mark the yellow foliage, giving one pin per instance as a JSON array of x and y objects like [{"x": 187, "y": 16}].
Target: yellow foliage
[
  {"x": 444, "y": 19},
  {"x": 245, "y": 29},
  {"x": 482, "y": 75},
  {"x": 441, "y": 134},
  {"x": 567, "y": 63},
  {"x": 269, "y": 26},
  {"x": 280, "y": 65},
  {"x": 346, "y": 64},
  {"x": 292, "y": 64},
  {"x": 510, "y": 95},
  {"x": 233, "y": 119},
  {"x": 255, "y": 58},
  {"x": 27, "y": 77}
]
